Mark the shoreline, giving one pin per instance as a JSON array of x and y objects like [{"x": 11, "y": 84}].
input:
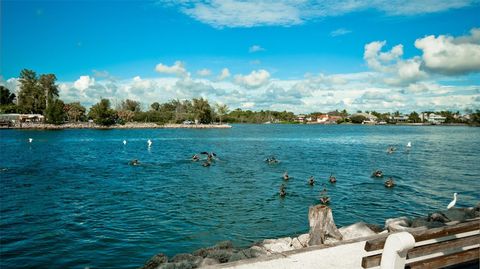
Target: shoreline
[
  {"x": 151, "y": 125},
  {"x": 89, "y": 125}
]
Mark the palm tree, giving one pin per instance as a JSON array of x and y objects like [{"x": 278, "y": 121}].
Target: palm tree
[{"x": 221, "y": 110}]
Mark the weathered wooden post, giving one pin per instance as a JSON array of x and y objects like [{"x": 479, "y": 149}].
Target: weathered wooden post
[{"x": 321, "y": 225}]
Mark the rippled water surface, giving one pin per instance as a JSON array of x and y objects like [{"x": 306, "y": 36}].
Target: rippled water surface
[{"x": 70, "y": 199}]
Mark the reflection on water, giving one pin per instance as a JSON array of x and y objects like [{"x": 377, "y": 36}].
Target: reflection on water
[{"x": 70, "y": 198}]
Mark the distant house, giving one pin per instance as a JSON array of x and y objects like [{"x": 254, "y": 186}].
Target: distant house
[
  {"x": 436, "y": 118},
  {"x": 300, "y": 118},
  {"x": 334, "y": 119},
  {"x": 323, "y": 118},
  {"x": 19, "y": 118},
  {"x": 400, "y": 118}
]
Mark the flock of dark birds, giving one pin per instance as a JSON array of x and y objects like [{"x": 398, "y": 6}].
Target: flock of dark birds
[{"x": 324, "y": 198}]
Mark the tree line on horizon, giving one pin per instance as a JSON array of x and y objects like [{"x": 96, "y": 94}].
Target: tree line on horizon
[{"x": 39, "y": 94}]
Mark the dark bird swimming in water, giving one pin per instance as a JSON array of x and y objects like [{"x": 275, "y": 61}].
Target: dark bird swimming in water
[
  {"x": 195, "y": 158},
  {"x": 283, "y": 191},
  {"x": 391, "y": 150},
  {"x": 389, "y": 183},
  {"x": 271, "y": 160},
  {"x": 332, "y": 179},
  {"x": 311, "y": 180},
  {"x": 134, "y": 162},
  {"x": 285, "y": 176},
  {"x": 377, "y": 173},
  {"x": 210, "y": 155}
]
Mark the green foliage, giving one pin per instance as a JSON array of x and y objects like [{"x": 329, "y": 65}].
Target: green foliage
[
  {"x": 475, "y": 117},
  {"x": 357, "y": 119},
  {"x": 451, "y": 117},
  {"x": 130, "y": 105},
  {"x": 11, "y": 108},
  {"x": 30, "y": 98},
  {"x": 102, "y": 114},
  {"x": 55, "y": 112},
  {"x": 36, "y": 93},
  {"x": 248, "y": 116},
  {"x": 47, "y": 87},
  {"x": 6, "y": 97},
  {"x": 221, "y": 110},
  {"x": 414, "y": 117},
  {"x": 155, "y": 106},
  {"x": 75, "y": 111},
  {"x": 202, "y": 110}
]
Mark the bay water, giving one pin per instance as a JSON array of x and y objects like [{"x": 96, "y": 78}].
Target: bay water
[{"x": 70, "y": 199}]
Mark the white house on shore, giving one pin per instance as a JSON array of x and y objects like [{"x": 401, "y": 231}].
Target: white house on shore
[
  {"x": 17, "y": 118},
  {"x": 433, "y": 118}
]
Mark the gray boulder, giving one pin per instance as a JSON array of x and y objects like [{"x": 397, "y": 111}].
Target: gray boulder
[
  {"x": 357, "y": 230},
  {"x": 208, "y": 262},
  {"x": 423, "y": 222},
  {"x": 259, "y": 251},
  {"x": 155, "y": 261},
  {"x": 277, "y": 245},
  {"x": 459, "y": 214},
  {"x": 398, "y": 224},
  {"x": 301, "y": 241},
  {"x": 221, "y": 255}
]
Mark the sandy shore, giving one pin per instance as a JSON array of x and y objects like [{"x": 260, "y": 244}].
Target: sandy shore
[{"x": 130, "y": 125}]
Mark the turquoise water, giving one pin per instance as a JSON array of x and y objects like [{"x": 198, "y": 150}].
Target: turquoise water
[{"x": 70, "y": 199}]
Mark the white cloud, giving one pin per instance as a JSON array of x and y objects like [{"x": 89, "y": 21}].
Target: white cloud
[
  {"x": 204, "y": 72},
  {"x": 84, "y": 82},
  {"x": 178, "y": 69},
  {"x": 255, "y": 48},
  {"x": 449, "y": 55},
  {"x": 250, "y": 13},
  {"x": 12, "y": 84},
  {"x": 225, "y": 73},
  {"x": 340, "y": 32},
  {"x": 378, "y": 60},
  {"x": 232, "y": 13},
  {"x": 248, "y": 105},
  {"x": 390, "y": 64},
  {"x": 253, "y": 80}
]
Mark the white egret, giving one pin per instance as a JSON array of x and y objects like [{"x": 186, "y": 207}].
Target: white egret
[
  {"x": 124, "y": 142},
  {"x": 452, "y": 203},
  {"x": 30, "y": 140},
  {"x": 149, "y": 142}
]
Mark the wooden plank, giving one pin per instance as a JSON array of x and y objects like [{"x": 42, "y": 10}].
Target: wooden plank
[
  {"x": 446, "y": 231},
  {"x": 445, "y": 246},
  {"x": 425, "y": 234},
  {"x": 448, "y": 247},
  {"x": 372, "y": 261},
  {"x": 448, "y": 260}
]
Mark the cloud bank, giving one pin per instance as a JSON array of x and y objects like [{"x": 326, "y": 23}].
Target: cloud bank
[{"x": 250, "y": 13}]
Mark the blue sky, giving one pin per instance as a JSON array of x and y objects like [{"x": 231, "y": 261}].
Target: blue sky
[{"x": 295, "y": 55}]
